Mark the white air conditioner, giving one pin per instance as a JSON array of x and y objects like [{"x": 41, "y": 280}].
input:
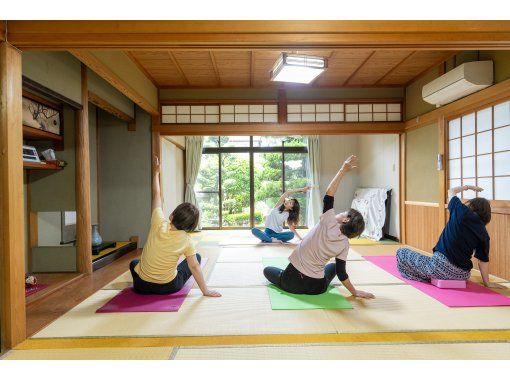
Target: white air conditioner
[{"x": 463, "y": 80}]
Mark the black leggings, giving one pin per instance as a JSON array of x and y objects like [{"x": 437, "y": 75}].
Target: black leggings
[
  {"x": 146, "y": 287},
  {"x": 293, "y": 281}
]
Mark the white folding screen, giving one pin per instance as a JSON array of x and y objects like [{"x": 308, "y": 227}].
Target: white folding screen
[
  {"x": 479, "y": 151},
  {"x": 340, "y": 112},
  {"x": 219, "y": 113}
]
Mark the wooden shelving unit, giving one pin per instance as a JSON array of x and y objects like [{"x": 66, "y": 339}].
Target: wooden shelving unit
[
  {"x": 40, "y": 166},
  {"x": 34, "y": 134},
  {"x": 30, "y": 133}
]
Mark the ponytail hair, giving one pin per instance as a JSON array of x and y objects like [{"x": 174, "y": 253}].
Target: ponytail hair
[{"x": 293, "y": 213}]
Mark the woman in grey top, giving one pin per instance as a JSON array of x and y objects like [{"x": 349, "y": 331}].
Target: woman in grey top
[{"x": 308, "y": 271}]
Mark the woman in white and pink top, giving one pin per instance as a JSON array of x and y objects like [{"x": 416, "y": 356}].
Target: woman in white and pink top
[{"x": 309, "y": 271}]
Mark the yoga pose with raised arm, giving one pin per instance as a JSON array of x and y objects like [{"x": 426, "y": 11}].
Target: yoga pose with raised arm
[
  {"x": 286, "y": 210},
  {"x": 308, "y": 271},
  {"x": 464, "y": 234},
  {"x": 157, "y": 271}
]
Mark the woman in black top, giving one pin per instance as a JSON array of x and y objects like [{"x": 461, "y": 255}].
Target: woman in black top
[{"x": 464, "y": 234}]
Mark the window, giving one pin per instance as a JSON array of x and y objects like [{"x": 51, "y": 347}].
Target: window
[
  {"x": 340, "y": 112},
  {"x": 242, "y": 177},
  {"x": 479, "y": 152},
  {"x": 219, "y": 113}
]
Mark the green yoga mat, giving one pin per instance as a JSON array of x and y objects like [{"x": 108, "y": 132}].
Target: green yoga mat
[{"x": 281, "y": 300}]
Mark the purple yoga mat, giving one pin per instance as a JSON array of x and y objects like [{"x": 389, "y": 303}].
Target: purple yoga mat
[
  {"x": 474, "y": 295},
  {"x": 32, "y": 289},
  {"x": 127, "y": 301}
]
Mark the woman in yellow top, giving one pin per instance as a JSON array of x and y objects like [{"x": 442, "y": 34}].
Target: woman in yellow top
[{"x": 157, "y": 271}]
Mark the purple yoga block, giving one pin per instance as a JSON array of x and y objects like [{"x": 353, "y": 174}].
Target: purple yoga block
[{"x": 448, "y": 284}]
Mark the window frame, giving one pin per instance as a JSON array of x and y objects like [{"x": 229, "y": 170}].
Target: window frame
[
  {"x": 497, "y": 206},
  {"x": 251, "y": 150}
]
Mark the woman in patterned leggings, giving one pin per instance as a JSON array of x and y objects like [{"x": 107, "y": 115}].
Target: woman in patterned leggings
[{"x": 464, "y": 234}]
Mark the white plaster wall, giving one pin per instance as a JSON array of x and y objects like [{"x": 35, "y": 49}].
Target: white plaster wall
[
  {"x": 379, "y": 167},
  {"x": 334, "y": 151}
]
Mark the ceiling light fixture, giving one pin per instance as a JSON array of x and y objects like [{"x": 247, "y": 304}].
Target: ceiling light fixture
[{"x": 297, "y": 68}]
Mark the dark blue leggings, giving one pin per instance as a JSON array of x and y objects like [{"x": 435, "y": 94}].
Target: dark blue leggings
[{"x": 268, "y": 234}]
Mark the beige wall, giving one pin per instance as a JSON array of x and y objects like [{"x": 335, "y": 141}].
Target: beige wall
[
  {"x": 334, "y": 151},
  {"x": 55, "y": 191},
  {"x": 104, "y": 90},
  {"x": 268, "y": 94},
  {"x": 59, "y": 71},
  {"x": 421, "y": 165},
  {"x": 415, "y": 105},
  {"x": 125, "y": 177},
  {"x": 501, "y": 66},
  {"x": 172, "y": 176},
  {"x": 345, "y": 93},
  {"x": 379, "y": 167}
]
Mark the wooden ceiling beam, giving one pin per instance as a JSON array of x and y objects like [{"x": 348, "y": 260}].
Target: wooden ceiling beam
[
  {"x": 141, "y": 67},
  {"x": 178, "y": 67},
  {"x": 346, "y": 83},
  {"x": 394, "y": 67},
  {"x": 107, "y": 74},
  {"x": 110, "y": 108},
  {"x": 279, "y": 129},
  {"x": 252, "y": 65},
  {"x": 215, "y": 67},
  {"x": 292, "y": 35}
]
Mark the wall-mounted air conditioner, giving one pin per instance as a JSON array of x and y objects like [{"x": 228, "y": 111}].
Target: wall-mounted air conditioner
[{"x": 463, "y": 80}]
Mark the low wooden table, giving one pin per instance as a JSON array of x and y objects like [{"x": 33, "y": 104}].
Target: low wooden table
[{"x": 108, "y": 255}]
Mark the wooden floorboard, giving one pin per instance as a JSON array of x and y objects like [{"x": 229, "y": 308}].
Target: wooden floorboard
[
  {"x": 55, "y": 281},
  {"x": 45, "y": 311}
]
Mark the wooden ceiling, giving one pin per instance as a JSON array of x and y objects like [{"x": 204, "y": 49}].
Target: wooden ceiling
[{"x": 251, "y": 68}]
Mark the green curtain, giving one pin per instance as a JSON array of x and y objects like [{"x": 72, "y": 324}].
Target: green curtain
[
  {"x": 194, "y": 146},
  {"x": 314, "y": 162}
]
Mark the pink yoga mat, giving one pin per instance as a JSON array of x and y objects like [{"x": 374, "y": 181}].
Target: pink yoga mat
[
  {"x": 472, "y": 296},
  {"x": 32, "y": 289},
  {"x": 127, "y": 301}
]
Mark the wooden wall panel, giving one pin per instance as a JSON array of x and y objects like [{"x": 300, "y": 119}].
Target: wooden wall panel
[
  {"x": 499, "y": 231},
  {"x": 422, "y": 224}
]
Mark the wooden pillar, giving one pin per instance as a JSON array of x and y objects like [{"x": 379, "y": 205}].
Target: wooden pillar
[
  {"x": 83, "y": 218},
  {"x": 402, "y": 146},
  {"x": 12, "y": 240},
  {"x": 442, "y": 173},
  {"x": 282, "y": 106}
]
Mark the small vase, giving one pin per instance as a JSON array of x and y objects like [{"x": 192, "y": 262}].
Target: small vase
[{"x": 96, "y": 238}]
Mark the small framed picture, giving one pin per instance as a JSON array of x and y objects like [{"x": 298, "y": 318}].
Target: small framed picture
[{"x": 41, "y": 115}]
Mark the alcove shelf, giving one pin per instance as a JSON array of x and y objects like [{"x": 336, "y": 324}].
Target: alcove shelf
[
  {"x": 40, "y": 166},
  {"x": 38, "y": 135},
  {"x": 30, "y": 133}
]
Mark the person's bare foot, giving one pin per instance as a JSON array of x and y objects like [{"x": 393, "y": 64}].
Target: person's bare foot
[{"x": 275, "y": 240}]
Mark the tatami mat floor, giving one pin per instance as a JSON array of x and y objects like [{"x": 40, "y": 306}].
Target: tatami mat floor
[{"x": 245, "y": 311}]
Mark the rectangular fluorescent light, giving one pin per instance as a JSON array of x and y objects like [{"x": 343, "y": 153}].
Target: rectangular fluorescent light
[{"x": 297, "y": 68}]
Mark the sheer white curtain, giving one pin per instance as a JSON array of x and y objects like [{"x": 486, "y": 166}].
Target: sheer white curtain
[
  {"x": 194, "y": 146},
  {"x": 314, "y": 161}
]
